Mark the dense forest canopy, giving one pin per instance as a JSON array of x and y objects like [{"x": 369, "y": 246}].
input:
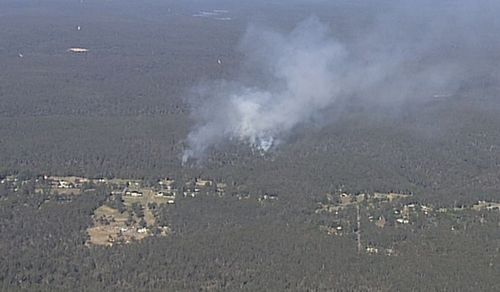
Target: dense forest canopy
[{"x": 286, "y": 219}]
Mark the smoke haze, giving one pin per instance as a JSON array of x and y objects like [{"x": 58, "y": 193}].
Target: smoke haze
[{"x": 410, "y": 52}]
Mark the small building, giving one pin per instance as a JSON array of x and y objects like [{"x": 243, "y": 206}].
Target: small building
[
  {"x": 203, "y": 182},
  {"x": 270, "y": 197},
  {"x": 426, "y": 209},
  {"x": 493, "y": 207},
  {"x": 244, "y": 196},
  {"x": 134, "y": 193},
  {"x": 63, "y": 184},
  {"x": 78, "y": 50},
  {"x": 189, "y": 194},
  {"x": 170, "y": 195},
  {"x": 402, "y": 221},
  {"x": 389, "y": 252}
]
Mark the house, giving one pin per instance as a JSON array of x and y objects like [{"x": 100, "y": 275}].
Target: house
[
  {"x": 142, "y": 230},
  {"x": 78, "y": 50},
  {"x": 391, "y": 196},
  {"x": 186, "y": 194},
  {"x": 189, "y": 194},
  {"x": 426, "y": 209},
  {"x": 484, "y": 205},
  {"x": 493, "y": 207},
  {"x": 244, "y": 196},
  {"x": 134, "y": 193},
  {"x": 63, "y": 184},
  {"x": 267, "y": 196},
  {"x": 203, "y": 182},
  {"x": 402, "y": 221},
  {"x": 389, "y": 251},
  {"x": 270, "y": 196},
  {"x": 116, "y": 193}
]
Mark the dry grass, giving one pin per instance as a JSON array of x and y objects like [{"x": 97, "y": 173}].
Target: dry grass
[
  {"x": 117, "y": 231},
  {"x": 71, "y": 191}
]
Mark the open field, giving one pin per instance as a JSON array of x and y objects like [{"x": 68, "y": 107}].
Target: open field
[
  {"x": 103, "y": 233},
  {"x": 114, "y": 227}
]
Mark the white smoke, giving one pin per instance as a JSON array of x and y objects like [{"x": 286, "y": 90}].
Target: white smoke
[
  {"x": 304, "y": 67},
  {"x": 307, "y": 70}
]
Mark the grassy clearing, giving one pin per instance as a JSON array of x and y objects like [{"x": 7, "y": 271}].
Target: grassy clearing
[{"x": 112, "y": 227}]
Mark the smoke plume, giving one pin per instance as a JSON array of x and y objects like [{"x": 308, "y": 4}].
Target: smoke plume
[{"x": 308, "y": 70}]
